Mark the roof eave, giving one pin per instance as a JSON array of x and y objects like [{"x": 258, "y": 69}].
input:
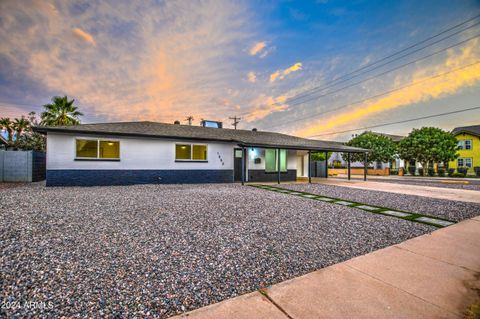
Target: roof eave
[{"x": 88, "y": 132}]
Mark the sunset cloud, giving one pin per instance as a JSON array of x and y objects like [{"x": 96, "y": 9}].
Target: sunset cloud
[
  {"x": 266, "y": 105},
  {"x": 257, "y": 48},
  {"x": 163, "y": 71},
  {"x": 281, "y": 74},
  {"x": 425, "y": 90},
  {"x": 84, "y": 36},
  {"x": 251, "y": 77}
]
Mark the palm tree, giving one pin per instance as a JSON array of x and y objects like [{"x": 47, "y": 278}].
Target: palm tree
[
  {"x": 7, "y": 125},
  {"x": 60, "y": 112},
  {"x": 20, "y": 126}
]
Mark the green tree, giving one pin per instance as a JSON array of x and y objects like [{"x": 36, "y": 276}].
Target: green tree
[
  {"x": 428, "y": 145},
  {"x": 32, "y": 142},
  {"x": 381, "y": 148},
  {"x": 320, "y": 156},
  {"x": 20, "y": 126},
  {"x": 60, "y": 112},
  {"x": 7, "y": 125}
]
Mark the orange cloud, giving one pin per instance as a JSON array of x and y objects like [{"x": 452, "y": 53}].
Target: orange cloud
[
  {"x": 281, "y": 74},
  {"x": 251, "y": 77},
  {"x": 265, "y": 105},
  {"x": 424, "y": 91},
  {"x": 257, "y": 48},
  {"x": 84, "y": 36}
]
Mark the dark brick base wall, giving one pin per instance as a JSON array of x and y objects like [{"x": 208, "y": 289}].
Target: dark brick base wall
[
  {"x": 259, "y": 175},
  {"x": 76, "y": 177}
]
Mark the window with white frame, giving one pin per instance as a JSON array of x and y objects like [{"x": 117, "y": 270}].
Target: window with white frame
[
  {"x": 464, "y": 145},
  {"x": 191, "y": 152},
  {"x": 97, "y": 149},
  {"x": 464, "y": 162}
]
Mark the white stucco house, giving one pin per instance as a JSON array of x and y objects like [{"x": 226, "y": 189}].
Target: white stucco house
[{"x": 149, "y": 152}]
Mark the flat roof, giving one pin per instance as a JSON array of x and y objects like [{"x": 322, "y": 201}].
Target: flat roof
[{"x": 190, "y": 132}]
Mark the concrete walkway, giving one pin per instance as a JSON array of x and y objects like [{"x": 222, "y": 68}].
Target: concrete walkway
[
  {"x": 419, "y": 190},
  {"x": 432, "y": 276}
]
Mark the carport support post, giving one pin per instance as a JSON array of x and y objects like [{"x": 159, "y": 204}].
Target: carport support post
[
  {"x": 278, "y": 166},
  {"x": 326, "y": 164},
  {"x": 309, "y": 167},
  {"x": 365, "y": 167},
  {"x": 243, "y": 165},
  {"x": 348, "y": 165}
]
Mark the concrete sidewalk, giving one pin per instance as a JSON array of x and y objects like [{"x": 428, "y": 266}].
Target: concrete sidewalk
[
  {"x": 432, "y": 276},
  {"x": 408, "y": 189}
]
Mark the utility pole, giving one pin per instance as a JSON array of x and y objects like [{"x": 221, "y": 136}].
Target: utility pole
[
  {"x": 236, "y": 120},
  {"x": 189, "y": 119}
]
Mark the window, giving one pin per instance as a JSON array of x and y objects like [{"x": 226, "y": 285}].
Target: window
[
  {"x": 190, "y": 152},
  {"x": 465, "y": 145},
  {"x": 468, "y": 144},
  {"x": 97, "y": 149},
  {"x": 238, "y": 153},
  {"x": 199, "y": 152},
  {"x": 464, "y": 162},
  {"x": 271, "y": 162}
]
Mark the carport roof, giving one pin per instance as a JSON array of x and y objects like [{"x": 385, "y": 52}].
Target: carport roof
[{"x": 190, "y": 132}]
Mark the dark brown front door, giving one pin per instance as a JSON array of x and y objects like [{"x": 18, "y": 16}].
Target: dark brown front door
[{"x": 237, "y": 164}]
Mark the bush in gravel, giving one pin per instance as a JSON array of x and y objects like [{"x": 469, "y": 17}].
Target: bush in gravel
[
  {"x": 393, "y": 171},
  {"x": 411, "y": 170},
  {"x": 457, "y": 175},
  {"x": 431, "y": 171},
  {"x": 441, "y": 172},
  {"x": 463, "y": 171},
  {"x": 451, "y": 171},
  {"x": 420, "y": 171}
]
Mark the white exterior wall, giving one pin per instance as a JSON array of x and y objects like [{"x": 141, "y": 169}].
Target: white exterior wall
[{"x": 135, "y": 153}]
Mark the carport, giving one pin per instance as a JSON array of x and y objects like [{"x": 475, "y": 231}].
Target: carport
[{"x": 310, "y": 146}]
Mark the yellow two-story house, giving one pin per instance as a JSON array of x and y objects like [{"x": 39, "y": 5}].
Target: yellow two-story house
[{"x": 468, "y": 138}]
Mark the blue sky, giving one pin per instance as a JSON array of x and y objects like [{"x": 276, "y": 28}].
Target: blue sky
[{"x": 162, "y": 61}]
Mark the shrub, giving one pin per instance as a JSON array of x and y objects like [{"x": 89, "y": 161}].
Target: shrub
[
  {"x": 420, "y": 171},
  {"x": 393, "y": 171},
  {"x": 457, "y": 175},
  {"x": 441, "y": 172},
  {"x": 411, "y": 170},
  {"x": 463, "y": 171},
  {"x": 477, "y": 170},
  {"x": 430, "y": 171},
  {"x": 451, "y": 171}
]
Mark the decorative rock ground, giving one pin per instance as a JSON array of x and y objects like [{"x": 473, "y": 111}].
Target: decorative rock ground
[{"x": 158, "y": 250}]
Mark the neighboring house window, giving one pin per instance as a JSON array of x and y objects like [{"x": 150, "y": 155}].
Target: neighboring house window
[
  {"x": 190, "y": 152},
  {"x": 97, "y": 149},
  {"x": 465, "y": 145},
  {"x": 271, "y": 162},
  {"x": 468, "y": 144},
  {"x": 464, "y": 162}
]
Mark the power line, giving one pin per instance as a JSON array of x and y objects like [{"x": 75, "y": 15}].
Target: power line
[
  {"x": 378, "y": 66},
  {"x": 398, "y": 122},
  {"x": 337, "y": 81},
  {"x": 383, "y": 73},
  {"x": 403, "y": 50},
  {"x": 375, "y": 96}
]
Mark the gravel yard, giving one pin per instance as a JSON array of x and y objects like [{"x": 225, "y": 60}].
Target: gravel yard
[
  {"x": 158, "y": 250},
  {"x": 452, "y": 210},
  {"x": 472, "y": 184}
]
